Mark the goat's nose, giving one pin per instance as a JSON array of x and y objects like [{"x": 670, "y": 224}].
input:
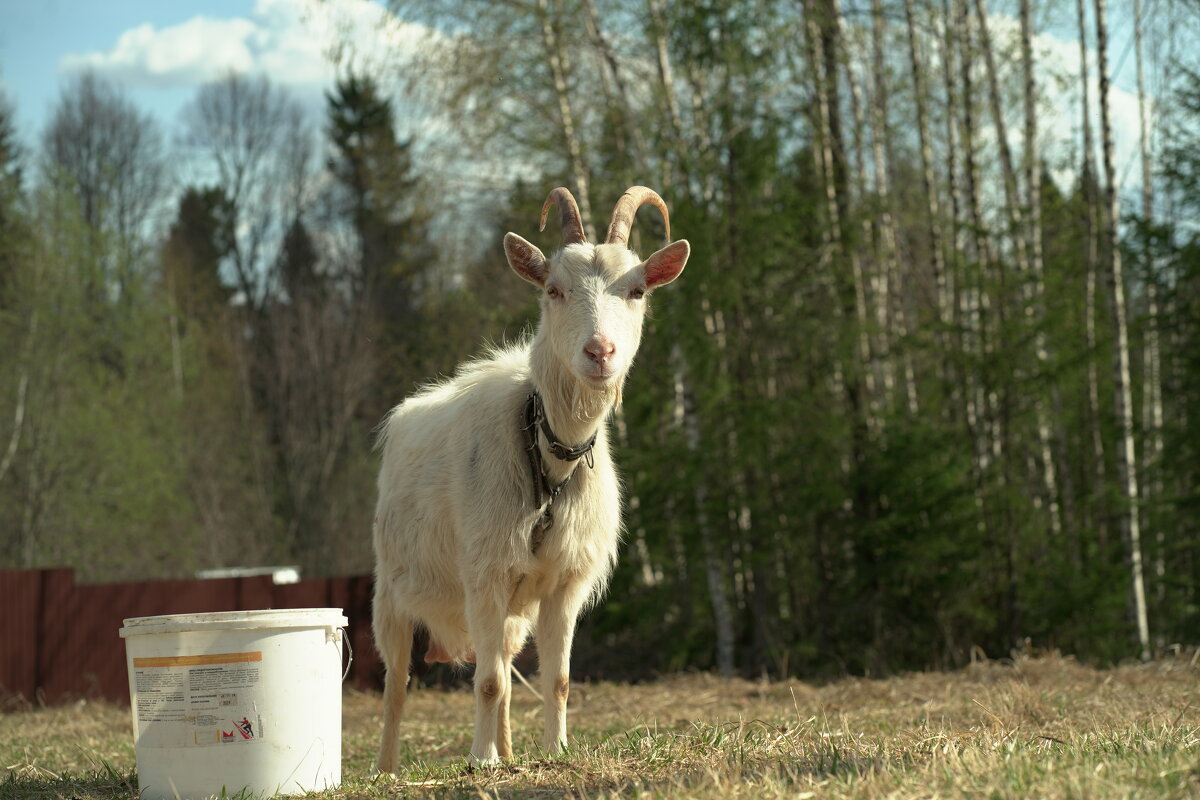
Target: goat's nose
[{"x": 599, "y": 348}]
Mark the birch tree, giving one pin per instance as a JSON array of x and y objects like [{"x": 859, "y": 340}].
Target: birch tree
[
  {"x": 924, "y": 137},
  {"x": 1034, "y": 286},
  {"x": 887, "y": 276},
  {"x": 559, "y": 71},
  {"x": 1127, "y": 474},
  {"x": 1027, "y": 254},
  {"x": 1152, "y": 403},
  {"x": 1088, "y": 185}
]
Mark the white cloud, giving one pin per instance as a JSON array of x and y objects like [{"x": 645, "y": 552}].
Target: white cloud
[
  {"x": 295, "y": 42},
  {"x": 1059, "y": 109},
  {"x": 183, "y": 54}
]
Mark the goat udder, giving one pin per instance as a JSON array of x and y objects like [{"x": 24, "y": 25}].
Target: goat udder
[{"x": 436, "y": 653}]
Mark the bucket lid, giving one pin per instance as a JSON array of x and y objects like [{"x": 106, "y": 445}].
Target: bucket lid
[{"x": 237, "y": 620}]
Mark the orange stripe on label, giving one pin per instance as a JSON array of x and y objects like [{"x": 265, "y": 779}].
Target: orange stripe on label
[{"x": 196, "y": 661}]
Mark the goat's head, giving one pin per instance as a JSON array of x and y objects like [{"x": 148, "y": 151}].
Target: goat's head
[{"x": 594, "y": 296}]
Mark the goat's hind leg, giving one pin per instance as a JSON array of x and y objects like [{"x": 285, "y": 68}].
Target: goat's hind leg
[
  {"x": 393, "y": 639},
  {"x": 515, "y": 633}
]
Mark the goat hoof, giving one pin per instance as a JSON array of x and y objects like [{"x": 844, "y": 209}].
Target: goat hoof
[
  {"x": 555, "y": 750},
  {"x": 474, "y": 762}
]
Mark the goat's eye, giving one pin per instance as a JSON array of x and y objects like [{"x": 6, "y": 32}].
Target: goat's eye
[
  {"x": 553, "y": 292},
  {"x": 637, "y": 293}
]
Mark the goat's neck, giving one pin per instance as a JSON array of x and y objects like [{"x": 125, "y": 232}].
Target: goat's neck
[{"x": 574, "y": 410}]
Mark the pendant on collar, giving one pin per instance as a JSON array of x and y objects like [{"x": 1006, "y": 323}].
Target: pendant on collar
[{"x": 533, "y": 417}]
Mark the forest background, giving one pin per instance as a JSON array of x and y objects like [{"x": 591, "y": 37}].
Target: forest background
[{"x": 928, "y": 388}]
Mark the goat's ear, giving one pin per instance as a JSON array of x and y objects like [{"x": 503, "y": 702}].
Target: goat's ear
[
  {"x": 665, "y": 265},
  {"x": 525, "y": 259}
]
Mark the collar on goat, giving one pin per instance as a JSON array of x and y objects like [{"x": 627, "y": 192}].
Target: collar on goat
[{"x": 533, "y": 416}]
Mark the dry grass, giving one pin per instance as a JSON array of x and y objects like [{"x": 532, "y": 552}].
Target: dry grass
[{"x": 1039, "y": 728}]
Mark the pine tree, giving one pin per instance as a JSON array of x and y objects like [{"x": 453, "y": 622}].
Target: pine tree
[
  {"x": 199, "y": 239},
  {"x": 382, "y": 197}
]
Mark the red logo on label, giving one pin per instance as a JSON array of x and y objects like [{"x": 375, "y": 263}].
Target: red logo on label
[{"x": 245, "y": 729}]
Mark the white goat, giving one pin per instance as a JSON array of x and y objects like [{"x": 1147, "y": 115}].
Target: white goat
[{"x": 460, "y": 546}]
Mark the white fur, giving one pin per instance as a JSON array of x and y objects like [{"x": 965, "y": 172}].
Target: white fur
[{"x": 455, "y": 513}]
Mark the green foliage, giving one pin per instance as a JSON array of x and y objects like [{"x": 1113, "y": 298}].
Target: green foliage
[
  {"x": 380, "y": 195},
  {"x": 10, "y": 148},
  {"x": 200, "y": 237},
  {"x": 92, "y": 473}
]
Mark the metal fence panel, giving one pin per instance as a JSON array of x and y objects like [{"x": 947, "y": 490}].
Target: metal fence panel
[{"x": 60, "y": 640}]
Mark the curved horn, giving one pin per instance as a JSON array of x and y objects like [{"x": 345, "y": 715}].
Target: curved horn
[
  {"x": 568, "y": 216},
  {"x": 626, "y": 208}
]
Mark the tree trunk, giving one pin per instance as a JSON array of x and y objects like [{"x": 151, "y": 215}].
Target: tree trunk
[
  {"x": 889, "y": 274},
  {"x": 685, "y": 409},
  {"x": 666, "y": 81},
  {"x": 1152, "y": 408},
  {"x": 559, "y": 67},
  {"x": 14, "y": 440},
  {"x": 823, "y": 42},
  {"x": 865, "y": 351},
  {"x": 1012, "y": 204},
  {"x": 985, "y": 408},
  {"x": 821, "y": 26},
  {"x": 1122, "y": 396},
  {"x": 960, "y": 379},
  {"x": 621, "y": 108},
  {"x": 1022, "y": 236},
  {"x": 1035, "y": 287},
  {"x": 1092, "y": 260},
  {"x": 932, "y": 205}
]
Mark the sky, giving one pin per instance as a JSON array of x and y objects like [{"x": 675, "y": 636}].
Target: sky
[{"x": 159, "y": 51}]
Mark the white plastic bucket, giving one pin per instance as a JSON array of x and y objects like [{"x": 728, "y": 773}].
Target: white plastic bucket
[{"x": 236, "y": 700}]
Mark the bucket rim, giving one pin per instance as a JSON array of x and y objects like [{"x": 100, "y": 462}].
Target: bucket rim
[{"x": 265, "y": 618}]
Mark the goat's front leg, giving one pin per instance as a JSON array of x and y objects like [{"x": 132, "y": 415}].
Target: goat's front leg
[
  {"x": 486, "y": 621},
  {"x": 503, "y": 726},
  {"x": 555, "y": 634}
]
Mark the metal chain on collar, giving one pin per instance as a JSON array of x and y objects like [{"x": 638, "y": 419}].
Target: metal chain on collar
[{"x": 533, "y": 417}]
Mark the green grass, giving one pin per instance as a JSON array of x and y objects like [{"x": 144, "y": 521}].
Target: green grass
[{"x": 1039, "y": 728}]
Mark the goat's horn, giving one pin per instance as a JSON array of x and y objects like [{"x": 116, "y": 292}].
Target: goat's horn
[
  {"x": 568, "y": 216},
  {"x": 626, "y": 208}
]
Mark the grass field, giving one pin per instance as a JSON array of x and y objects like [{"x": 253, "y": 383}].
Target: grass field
[{"x": 1036, "y": 728}]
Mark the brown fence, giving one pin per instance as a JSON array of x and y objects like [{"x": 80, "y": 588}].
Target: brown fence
[{"x": 60, "y": 640}]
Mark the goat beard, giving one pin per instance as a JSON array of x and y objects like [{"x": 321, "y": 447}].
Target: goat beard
[{"x": 565, "y": 392}]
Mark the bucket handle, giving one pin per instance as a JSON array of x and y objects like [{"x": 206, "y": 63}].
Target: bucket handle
[{"x": 349, "y": 652}]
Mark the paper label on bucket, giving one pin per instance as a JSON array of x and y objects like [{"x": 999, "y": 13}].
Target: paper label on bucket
[{"x": 198, "y": 700}]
